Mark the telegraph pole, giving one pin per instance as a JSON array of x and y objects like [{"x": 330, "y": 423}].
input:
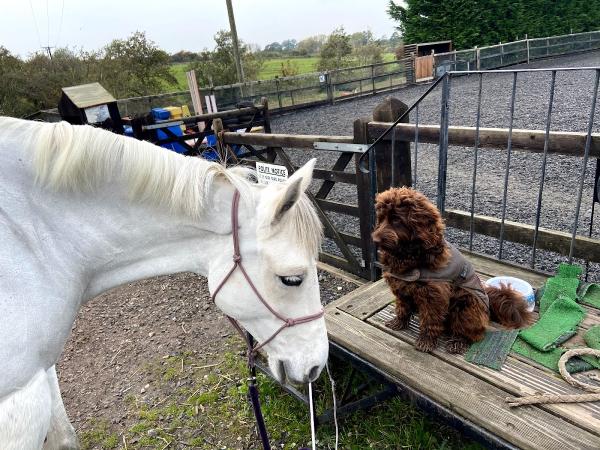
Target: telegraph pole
[{"x": 236, "y": 49}]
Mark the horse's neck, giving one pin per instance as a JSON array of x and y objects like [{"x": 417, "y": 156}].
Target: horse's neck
[
  {"x": 90, "y": 242},
  {"x": 140, "y": 241}
]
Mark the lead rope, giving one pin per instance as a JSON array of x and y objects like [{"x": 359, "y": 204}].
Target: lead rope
[
  {"x": 335, "y": 421},
  {"x": 312, "y": 412},
  {"x": 312, "y": 417}
]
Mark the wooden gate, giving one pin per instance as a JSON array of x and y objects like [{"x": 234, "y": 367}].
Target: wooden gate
[{"x": 424, "y": 68}]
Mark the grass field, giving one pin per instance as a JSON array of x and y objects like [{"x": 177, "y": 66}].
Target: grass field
[{"x": 270, "y": 69}]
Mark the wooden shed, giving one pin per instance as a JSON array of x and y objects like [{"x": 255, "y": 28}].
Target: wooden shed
[{"x": 90, "y": 104}]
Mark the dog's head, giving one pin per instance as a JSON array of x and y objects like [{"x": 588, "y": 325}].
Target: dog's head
[{"x": 409, "y": 226}]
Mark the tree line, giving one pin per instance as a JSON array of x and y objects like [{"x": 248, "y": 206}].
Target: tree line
[
  {"x": 470, "y": 23},
  {"x": 130, "y": 67}
]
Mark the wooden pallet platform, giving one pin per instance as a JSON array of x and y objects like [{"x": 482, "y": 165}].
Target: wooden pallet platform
[{"x": 475, "y": 393}]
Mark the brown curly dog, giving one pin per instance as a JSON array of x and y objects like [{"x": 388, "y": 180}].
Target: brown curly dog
[{"x": 430, "y": 277}]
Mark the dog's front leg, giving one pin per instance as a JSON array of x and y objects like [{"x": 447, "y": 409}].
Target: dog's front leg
[
  {"x": 403, "y": 313},
  {"x": 432, "y": 303}
]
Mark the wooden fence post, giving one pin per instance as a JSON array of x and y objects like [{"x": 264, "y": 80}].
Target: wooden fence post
[
  {"x": 373, "y": 78},
  {"x": 388, "y": 111},
  {"x": 278, "y": 91},
  {"x": 271, "y": 153},
  {"x": 361, "y": 136},
  {"x": 329, "y": 86}
]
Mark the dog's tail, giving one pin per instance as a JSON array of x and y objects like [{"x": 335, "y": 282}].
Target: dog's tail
[{"x": 508, "y": 307}]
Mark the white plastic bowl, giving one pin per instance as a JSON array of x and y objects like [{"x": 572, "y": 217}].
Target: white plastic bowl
[{"x": 519, "y": 285}]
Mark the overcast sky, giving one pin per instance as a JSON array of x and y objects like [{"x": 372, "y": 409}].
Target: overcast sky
[{"x": 26, "y": 25}]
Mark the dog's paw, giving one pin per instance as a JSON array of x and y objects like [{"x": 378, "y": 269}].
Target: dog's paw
[
  {"x": 425, "y": 344},
  {"x": 455, "y": 345},
  {"x": 397, "y": 324}
]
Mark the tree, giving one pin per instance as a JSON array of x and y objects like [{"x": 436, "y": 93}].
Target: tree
[
  {"x": 13, "y": 98},
  {"x": 217, "y": 67},
  {"x": 274, "y": 47},
  {"x": 311, "y": 45},
  {"x": 483, "y": 22},
  {"x": 135, "y": 66},
  {"x": 289, "y": 68},
  {"x": 336, "y": 51},
  {"x": 289, "y": 45},
  {"x": 366, "y": 49}
]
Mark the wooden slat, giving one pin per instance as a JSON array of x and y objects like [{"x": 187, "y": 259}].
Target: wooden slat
[
  {"x": 347, "y": 238},
  {"x": 517, "y": 377},
  {"x": 562, "y": 142},
  {"x": 337, "y": 207},
  {"x": 555, "y": 241},
  {"x": 339, "y": 165},
  {"x": 485, "y": 265},
  {"x": 470, "y": 397},
  {"x": 282, "y": 140}
]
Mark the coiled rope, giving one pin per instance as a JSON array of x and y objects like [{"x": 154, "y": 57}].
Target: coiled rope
[{"x": 594, "y": 390}]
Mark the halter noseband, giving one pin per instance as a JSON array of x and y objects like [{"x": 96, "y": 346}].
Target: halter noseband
[{"x": 237, "y": 262}]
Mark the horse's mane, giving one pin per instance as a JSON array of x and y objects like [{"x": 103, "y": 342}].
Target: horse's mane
[{"x": 79, "y": 158}]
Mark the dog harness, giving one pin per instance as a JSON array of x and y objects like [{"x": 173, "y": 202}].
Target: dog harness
[{"x": 458, "y": 271}]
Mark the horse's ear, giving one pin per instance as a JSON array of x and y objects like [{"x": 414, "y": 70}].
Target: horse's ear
[{"x": 293, "y": 188}]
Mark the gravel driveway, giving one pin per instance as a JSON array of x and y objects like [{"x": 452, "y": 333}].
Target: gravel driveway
[{"x": 572, "y": 102}]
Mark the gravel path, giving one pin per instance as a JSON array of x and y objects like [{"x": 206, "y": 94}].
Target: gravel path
[{"x": 572, "y": 101}]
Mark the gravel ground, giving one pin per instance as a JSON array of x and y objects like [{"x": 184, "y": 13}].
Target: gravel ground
[{"x": 572, "y": 102}]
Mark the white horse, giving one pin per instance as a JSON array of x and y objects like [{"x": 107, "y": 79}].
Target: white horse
[{"x": 83, "y": 210}]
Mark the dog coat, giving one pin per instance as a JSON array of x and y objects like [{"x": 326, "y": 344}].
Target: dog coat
[{"x": 458, "y": 271}]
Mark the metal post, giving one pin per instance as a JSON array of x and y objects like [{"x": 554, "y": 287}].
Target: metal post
[
  {"x": 509, "y": 152},
  {"x": 527, "y": 41},
  {"x": 586, "y": 154},
  {"x": 543, "y": 175},
  {"x": 416, "y": 143},
  {"x": 476, "y": 150},
  {"x": 443, "y": 149}
]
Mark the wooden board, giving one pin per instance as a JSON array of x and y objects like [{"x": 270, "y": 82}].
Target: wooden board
[
  {"x": 424, "y": 68},
  {"x": 453, "y": 388},
  {"x": 356, "y": 322}
]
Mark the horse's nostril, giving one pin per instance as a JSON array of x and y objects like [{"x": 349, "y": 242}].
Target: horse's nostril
[{"x": 313, "y": 374}]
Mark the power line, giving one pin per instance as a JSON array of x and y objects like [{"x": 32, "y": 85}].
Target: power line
[
  {"x": 37, "y": 30},
  {"x": 62, "y": 10},
  {"x": 48, "y": 23}
]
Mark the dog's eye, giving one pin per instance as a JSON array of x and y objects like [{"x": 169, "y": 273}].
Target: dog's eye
[{"x": 292, "y": 280}]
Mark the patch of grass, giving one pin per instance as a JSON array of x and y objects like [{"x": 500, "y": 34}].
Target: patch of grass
[
  {"x": 270, "y": 69},
  {"x": 205, "y": 406},
  {"x": 98, "y": 436}
]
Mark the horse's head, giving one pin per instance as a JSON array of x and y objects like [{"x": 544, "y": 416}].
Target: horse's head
[{"x": 279, "y": 242}]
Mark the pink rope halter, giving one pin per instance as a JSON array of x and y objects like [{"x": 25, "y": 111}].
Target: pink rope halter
[{"x": 237, "y": 262}]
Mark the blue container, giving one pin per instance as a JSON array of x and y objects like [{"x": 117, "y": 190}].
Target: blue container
[
  {"x": 175, "y": 146},
  {"x": 160, "y": 114},
  {"x": 211, "y": 154}
]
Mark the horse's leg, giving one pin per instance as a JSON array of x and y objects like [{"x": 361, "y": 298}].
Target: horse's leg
[
  {"x": 61, "y": 435},
  {"x": 25, "y": 415}
]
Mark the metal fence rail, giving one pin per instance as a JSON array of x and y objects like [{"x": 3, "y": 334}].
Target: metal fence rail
[
  {"x": 290, "y": 92},
  {"x": 523, "y": 51},
  {"x": 575, "y": 244}
]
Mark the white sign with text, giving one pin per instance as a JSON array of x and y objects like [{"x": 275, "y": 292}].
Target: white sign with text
[{"x": 270, "y": 173}]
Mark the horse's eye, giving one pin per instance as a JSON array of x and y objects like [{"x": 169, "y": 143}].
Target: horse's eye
[{"x": 292, "y": 280}]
